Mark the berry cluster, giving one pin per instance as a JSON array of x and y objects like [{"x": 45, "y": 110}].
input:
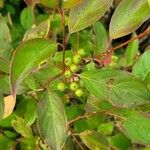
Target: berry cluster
[
  {"x": 113, "y": 61},
  {"x": 72, "y": 67}
]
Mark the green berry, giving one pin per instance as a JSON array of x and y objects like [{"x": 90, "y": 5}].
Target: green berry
[
  {"x": 79, "y": 92},
  {"x": 61, "y": 86},
  {"x": 114, "y": 58},
  {"x": 68, "y": 74},
  {"x": 68, "y": 61},
  {"x": 74, "y": 86},
  {"x": 81, "y": 52},
  {"x": 74, "y": 68},
  {"x": 77, "y": 59}
]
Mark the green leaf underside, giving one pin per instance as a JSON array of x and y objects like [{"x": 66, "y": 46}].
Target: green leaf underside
[
  {"x": 118, "y": 87},
  {"x": 128, "y": 16},
  {"x": 52, "y": 120},
  {"x": 87, "y": 13},
  {"x": 27, "y": 56}
]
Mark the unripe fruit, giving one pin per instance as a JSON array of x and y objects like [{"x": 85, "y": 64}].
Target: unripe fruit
[
  {"x": 114, "y": 58},
  {"x": 68, "y": 74},
  {"x": 68, "y": 61},
  {"x": 79, "y": 92},
  {"x": 81, "y": 52},
  {"x": 61, "y": 86},
  {"x": 77, "y": 59},
  {"x": 74, "y": 68},
  {"x": 74, "y": 86}
]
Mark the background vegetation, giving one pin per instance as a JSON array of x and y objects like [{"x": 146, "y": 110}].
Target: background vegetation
[{"x": 74, "y": 74}]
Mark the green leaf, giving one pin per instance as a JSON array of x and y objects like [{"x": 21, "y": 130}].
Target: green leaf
[
  {"x": 131, "y": 51},
  {"x": 81, "y": 126},
  {"x": 30, "y": 114},
  {"x": 100, "y": 78},
  {"x": 29, "y": 143},
  {"x": 106, "y": 128},
  {"x": 6, "y": 143},
  {"x": 21, "y": 127},
  {"x": 5, "y": 37},
  {"x": 27, "y": 18},
  {"x": 38, "y": 31},
  {"x": 27, "y": 110},
  {"x": 4, "y": 85},
  {"x": 128, "y": 16},
  {"x": 50, "y": 3},
  {"x": 120, "y": 141},
  {"x": 141, "y": 69},
  {"x": 148, "y": 2},
  {"x": 94, "y": 140},
  {"x": 4, "y": 65},
  {"x": 27, "y": 56},
  {"x": 95, "y": 104},
  {"x": 43, "y": 74},
  {"x": 1, "y": 106},
  {"x": 73, "y": 111},
  {"x": 129, "y": 92},
  {"x": 87, "y": 13},
  {"x": 136, "y": 126},
  {"x": 101, "y": 37},
  {"x": 71, "y": 3},
  {"x": 118, "y": 87},
  {"x": 52, "y": 120}
]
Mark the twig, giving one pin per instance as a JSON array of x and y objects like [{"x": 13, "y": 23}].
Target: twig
[
  {"x": 51, "y": 79},
  {"x": 76, "y": 140},
  {"x": 90, "y": 115},
  {"x": 105, "y": 53},
  {"x": 61, "y": 11}
]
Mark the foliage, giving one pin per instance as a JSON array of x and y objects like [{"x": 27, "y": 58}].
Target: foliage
[{"x": 74, "y": 74}]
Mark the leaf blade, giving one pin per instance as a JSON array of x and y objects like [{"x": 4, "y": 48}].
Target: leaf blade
[
  {"x": 88, "y": 8},
  {"x": 128, "y": 16},
  {"x": 29, "y": 54},
  {"x": 52, "y": 120}
]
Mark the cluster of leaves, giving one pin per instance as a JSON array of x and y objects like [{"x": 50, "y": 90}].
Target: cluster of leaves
[{"x": 48, "y": 46}]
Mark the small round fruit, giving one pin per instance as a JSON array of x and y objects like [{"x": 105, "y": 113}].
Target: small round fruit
[
  {"x": 77, "y": 59},
  {"x": 81, "y": 52},
  {"x": 68, "y": 74},
  {"x": 114, "y": 58},
  {"x": 74, "y": 86},
  {"x": 79, "y": 92},
  {"x": 61, "y": 86},
  {"x": 74, "y": 68},
  {"x": 68, "y": 61}
]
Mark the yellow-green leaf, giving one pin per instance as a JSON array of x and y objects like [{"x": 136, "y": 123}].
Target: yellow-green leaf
[
  {"x": 50, "y": 3},
  {"x": 71, "y": 3},
  {"x": 87, "y": 13},
  {"x": 27, "y": 56},
  {"x": 128, "y": 16}
]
